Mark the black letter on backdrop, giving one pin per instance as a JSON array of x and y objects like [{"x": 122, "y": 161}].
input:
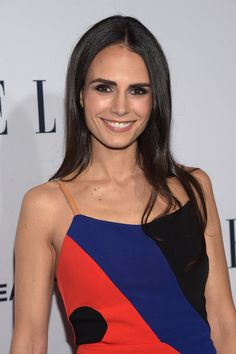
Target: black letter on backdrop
[
  {"x": 232, "y": 242},
  {"x": 3, "y": 292},
  {"x": 4, "y": 132},
  {"x": 41, "y": 112}
]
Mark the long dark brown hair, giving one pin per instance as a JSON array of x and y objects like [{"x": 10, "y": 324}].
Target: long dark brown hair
[{"x": 153, "y": 148}]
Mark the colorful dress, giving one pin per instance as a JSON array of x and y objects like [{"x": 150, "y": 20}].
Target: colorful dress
[{"x": 133, "y": 289}]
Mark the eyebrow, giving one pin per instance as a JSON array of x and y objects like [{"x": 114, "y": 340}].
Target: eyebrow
[{"x": 113, "y": 83}]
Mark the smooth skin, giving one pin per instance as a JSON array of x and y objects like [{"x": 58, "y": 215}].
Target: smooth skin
[{"x": 112, "y": 188}]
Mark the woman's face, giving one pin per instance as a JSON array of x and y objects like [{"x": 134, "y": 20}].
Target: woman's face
[{"x": 117, "y": 97}]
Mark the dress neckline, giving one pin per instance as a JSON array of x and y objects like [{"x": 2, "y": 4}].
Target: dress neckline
[
  {"x": 84, "y": 217},
  {"x": 87, "y": 217}
]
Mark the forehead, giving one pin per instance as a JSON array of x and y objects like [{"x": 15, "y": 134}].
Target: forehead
[{"x": 118, "y": 62}]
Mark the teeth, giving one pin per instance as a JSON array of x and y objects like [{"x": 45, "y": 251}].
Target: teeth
[{"x": 119, "y": 124}]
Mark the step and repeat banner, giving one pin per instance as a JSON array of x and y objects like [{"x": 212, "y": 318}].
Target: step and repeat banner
[{"x": 36, "y": 40}]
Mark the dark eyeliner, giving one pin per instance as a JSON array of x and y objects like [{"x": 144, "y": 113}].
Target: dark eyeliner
[
  {"x": 139, "y": 88},
  {"x": 102, "y": 88}
]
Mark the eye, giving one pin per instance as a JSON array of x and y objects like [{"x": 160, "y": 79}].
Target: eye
[
  {"x": 138, "y": 91},
  {"x": 103, "y": 88}
]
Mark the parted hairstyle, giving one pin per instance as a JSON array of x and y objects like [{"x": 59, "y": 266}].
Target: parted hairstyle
[{"x": 153, "y": 148}]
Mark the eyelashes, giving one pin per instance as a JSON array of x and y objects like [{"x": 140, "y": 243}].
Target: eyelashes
[
  {"x": 139, "y": 90},
  {"x": 103, "y": 88}
]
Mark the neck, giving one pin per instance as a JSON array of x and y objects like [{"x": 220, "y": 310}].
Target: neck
[{"x": 113, "y": 164}]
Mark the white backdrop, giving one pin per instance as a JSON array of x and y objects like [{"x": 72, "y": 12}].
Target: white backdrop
[{"x": 36, "y": 39}]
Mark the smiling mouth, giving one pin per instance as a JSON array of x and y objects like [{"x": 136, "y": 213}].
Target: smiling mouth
[{"x": 118, "y": 126}]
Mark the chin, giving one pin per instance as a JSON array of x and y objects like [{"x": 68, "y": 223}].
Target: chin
[
  {"x": 117, "y": 145},
  {"x": 113, "y": 143}
]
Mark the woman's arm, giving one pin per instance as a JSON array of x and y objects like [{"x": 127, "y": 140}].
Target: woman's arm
[
  {"x": 219, "y": 303},
  {"x": 34, "y": 269}
]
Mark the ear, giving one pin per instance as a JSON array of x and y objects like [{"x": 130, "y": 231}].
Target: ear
[{"x": 81, "y": 99}]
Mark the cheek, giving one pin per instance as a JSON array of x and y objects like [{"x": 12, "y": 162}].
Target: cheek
[
  {"x": 143, "y": 107},
  {"x": 95, "y": 103},
  {"x": 94, "y": 106}
]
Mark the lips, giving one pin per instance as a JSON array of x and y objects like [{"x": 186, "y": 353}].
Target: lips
[{"x": 118, "y": 126}]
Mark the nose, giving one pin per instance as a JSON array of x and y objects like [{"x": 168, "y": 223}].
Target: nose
[{"x": 120, "y": 105}]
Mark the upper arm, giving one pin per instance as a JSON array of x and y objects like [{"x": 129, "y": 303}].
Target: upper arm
[
  {"x": 219, "y": 302},
  {"x": 34, "y": 263}
]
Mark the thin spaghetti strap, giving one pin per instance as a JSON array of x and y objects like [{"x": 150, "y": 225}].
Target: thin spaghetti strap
[{"x": 70, "y": 199}]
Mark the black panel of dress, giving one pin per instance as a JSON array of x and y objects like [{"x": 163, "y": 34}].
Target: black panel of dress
[{"x": 177, "y": 235}]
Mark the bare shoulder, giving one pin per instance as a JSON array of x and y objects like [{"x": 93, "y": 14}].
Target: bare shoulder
[
  {"x": 42, "y": 197},
  {"x": 202, "y": 177},
  {"x": 40, "y": 205}
]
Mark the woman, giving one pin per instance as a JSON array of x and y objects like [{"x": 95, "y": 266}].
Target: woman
[{"x": 142, "y": 266}]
